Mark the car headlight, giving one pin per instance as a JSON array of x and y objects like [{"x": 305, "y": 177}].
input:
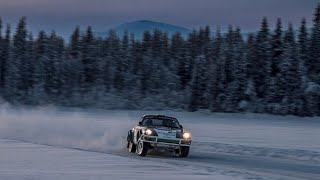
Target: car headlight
[
  {"x": 148, "y": 132},
  {"x": 186, "y": 135}
]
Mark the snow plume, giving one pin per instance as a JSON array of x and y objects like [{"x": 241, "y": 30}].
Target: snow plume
[{"x": 49, "y": 126}]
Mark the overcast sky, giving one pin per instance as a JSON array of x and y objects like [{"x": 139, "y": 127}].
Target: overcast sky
[{"x": 64, "y": 15}]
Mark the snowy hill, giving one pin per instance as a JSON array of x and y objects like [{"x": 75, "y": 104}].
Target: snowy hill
[{"x": 138, "y": 27}]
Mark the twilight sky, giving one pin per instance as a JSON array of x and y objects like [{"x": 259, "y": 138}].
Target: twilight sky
[{"x": 63, "y": 15}]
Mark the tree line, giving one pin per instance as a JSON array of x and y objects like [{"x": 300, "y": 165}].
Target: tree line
[{"x": 270, "y": 71}]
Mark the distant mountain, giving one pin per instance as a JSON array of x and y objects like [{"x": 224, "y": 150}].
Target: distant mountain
[{"x": 138, "y": 27}]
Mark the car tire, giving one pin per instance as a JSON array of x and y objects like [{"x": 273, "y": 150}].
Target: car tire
[
  {"x": 142, "y": 148},
  {"x": 184, "y": 151},
  {"x": 131, "y": 147}
]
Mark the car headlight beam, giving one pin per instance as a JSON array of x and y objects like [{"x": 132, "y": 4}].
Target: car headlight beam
[
  {"x": 148, "y": 132},
  {"x": 186, "y": 135}
]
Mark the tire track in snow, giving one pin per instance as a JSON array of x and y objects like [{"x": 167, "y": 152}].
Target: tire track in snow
[{"x": 249, "y": 167}]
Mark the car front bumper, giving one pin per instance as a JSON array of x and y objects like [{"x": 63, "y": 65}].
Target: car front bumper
[{"x": 172, "y": 142}]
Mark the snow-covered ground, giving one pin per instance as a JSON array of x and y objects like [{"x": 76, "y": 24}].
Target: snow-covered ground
[{"x": 52, "y": 144}]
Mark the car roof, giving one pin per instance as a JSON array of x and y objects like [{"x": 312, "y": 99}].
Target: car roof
[{"x": 158, "y": 116}]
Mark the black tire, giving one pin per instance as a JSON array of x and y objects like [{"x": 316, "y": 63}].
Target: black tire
[
  {"x": 131, "y": 147},
  {"x": 142, "y": 148},
  {"x": 184, "y": 151}
]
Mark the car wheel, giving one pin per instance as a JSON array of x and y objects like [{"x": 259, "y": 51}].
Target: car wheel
[
  {"x": 142, "y": 148},
  {"x": 184, "y": 151},
  {"x": 131, "y": 147}
]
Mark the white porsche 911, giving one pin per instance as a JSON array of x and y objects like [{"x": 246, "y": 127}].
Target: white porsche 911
[{"x": 159, "y": 132}]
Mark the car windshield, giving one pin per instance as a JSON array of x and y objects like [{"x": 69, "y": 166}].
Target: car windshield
[{"x": 160, "y": 122}]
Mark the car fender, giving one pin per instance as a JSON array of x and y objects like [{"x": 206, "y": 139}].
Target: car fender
[{"x": 130, "y": 136}]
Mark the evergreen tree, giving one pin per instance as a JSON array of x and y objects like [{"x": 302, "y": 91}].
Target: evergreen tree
[
  {"x": 105, "y": 66},
  {"x": 240, "y": 70},
  {"x": 114, "y": 58},
  {"x": 198, "y": 87},
  {"x": 235, "y": 68},
  {"x": 214, "y": 72},
  {"x": 290, "y": 81},
  {"x": 262, "y": 64},
  {"x": 14, "y": 80},
  {"x": 179, "y": 54},
  {"x": 72, "y": 72},
  {"x": 303, "y": 56},
  {"x": 313, "y": 63},
  {"x": 146, "y": 65},
  {"x": 193, "y": 48},
  {"x": 251, "y": 56},
  {"x": 75, "y": 44},
  {"x": 0, "y": 28},
  {"x": 88, "y": 59},
  {"x": 303, "y": 49},
  {"x": 157, "y": 70},
  {"x": 53, "y": 72},
  {"x": 132, "y": 83},
  {"x": 229, "y": 53},
  {"x": 125, "y": 60},
  {"x": 27, "y": 72},
  {"x": 6, "y": 44},
  {"x": 40, "y": 67},
  {"x": 121, "y": 63},
  {"x": 313, "y": 67},
  {"x": 273, "y": 94},
  {"x": 2, "y": 60},
  {"x": 277, "y": 49}
]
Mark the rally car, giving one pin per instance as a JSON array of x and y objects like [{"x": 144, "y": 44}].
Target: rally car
[{"x": 159, "y": 132}]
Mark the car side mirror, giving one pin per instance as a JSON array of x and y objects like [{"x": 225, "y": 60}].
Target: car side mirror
[
  {"x": 140, "y": 123},
  {"x": 181, "y": 126}
]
